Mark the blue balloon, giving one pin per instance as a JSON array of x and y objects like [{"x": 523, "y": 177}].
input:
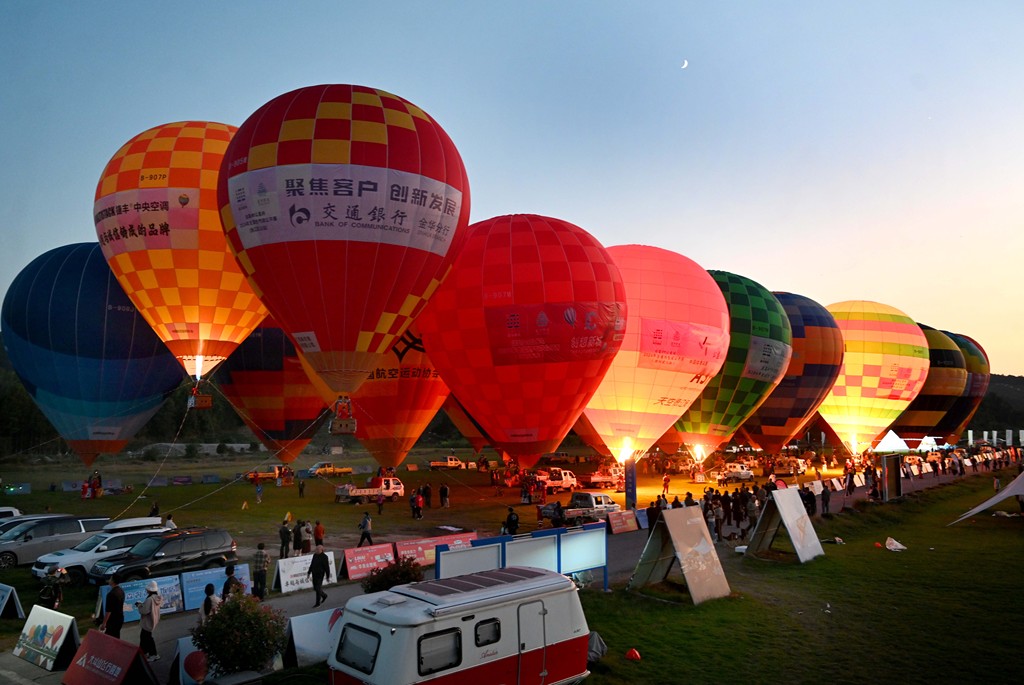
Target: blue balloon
[{"x": 88, "y": 359}]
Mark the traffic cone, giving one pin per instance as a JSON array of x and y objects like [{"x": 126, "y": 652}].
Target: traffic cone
[{"x": 245, "y": 504}]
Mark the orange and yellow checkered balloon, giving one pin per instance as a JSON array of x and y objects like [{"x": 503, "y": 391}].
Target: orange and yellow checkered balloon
[
  {"x": 159, "y": 225},
  {"x": 885, "y": 365}
]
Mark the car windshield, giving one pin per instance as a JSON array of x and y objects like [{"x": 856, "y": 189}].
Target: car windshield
[
  {"x": 145, "y": 547},
  {"x": 17, "y": 531},
  {"x": 90, "y": 543}
]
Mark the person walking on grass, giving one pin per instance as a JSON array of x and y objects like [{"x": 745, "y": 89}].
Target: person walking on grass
[{"x": 365, "y": 530}]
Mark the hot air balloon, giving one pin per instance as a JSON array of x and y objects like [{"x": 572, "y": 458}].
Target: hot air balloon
[
  {"x": 525, "y": 327},
  {"x": 676, "y": 339},
  {"x": 946, "y": 382},
  {"x": 958, "y": 417},
  {"x": 264, "y": 381},
  {"x": 87, "y": 358},
  {"x": 398, "y": 400},
  {"x": 760, "y": 347},
  {"x": 885, "y": 365},
  {"x": 813, "y": 368},
  {"x": 589, "y": 435},
  {"x": 158, "y": 222},
  {"x": 345, "y": 205}
]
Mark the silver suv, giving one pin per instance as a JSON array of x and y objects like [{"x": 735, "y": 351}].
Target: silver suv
[
  {"x": 116, "y": 537},
  {"x": 27, "y": 541}
]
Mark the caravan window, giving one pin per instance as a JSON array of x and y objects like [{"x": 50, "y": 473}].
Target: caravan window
[
  {"x": 488, "y": 632},
  {"x": 358, "y": 648},
  {"x": 441, "y": 650}
]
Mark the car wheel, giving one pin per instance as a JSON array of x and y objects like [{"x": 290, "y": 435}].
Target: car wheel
[
  {"x": 211, "y": 564},
  {"x": 578, "y": 521},
  {"x": 76, "y": 576},
  {"x": 133, "y": 577},
  {"x": 8, "y": 560},
  {"x": 362, "y": 499},
  {"x": 394, "y": 497}
]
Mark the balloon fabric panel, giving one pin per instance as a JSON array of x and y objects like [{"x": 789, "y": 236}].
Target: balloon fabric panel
[
  {"x": 158, "y": 222},
  {"x": 264, "y": 381},
  {"x": 86, "y": 356},
  {"x": 760, "y": 348},
  {"x": 398, "y": 400},
  {"x": 813, "y": 369},
  {"x": 345, "y": 205},
  {"x": 520, "y": 339},
  {"x": 959, "y": 415},
  {"x": 946, "y": 382}
]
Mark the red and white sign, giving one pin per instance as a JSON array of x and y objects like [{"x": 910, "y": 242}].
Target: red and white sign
[
  {"x": 422, "y": 549},
  {"x": 359, "y": 561},
  {"x": 105, "y": 659},
  {"x": 623, "y": 521}
]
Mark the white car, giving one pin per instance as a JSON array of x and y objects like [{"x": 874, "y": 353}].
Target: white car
[
  {"x": 115, "y": 538},
  {"x": 731, "y": 472}
]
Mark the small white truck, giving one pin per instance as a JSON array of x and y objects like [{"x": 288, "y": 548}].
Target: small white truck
[
  {"x": 582, "y": 507},
  {"x": 556, "y": 479},
  {"x": 392, "y": 489},
  {"x": 449, "y": 462},
  {"x": 605, "y": 478}
]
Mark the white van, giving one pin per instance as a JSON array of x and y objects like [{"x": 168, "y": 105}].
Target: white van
[
  {"x": 116, "y": 537},
  {"x": 509, "y": 625}
]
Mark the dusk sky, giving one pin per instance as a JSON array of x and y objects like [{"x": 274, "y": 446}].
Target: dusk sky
[{"x": 839, "y": 150}]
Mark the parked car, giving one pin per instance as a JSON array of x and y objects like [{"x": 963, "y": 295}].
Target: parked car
[
  {"x": 732, "y": 472},
  {"x": 169, "y": 553},
  {"x": 8, "y": 512},
  {"x": 115, "y": 538},
  {"x": 8, "y": 523},
  {"x": 327, "y": 469},
  {"x": 27, "y": 541}
]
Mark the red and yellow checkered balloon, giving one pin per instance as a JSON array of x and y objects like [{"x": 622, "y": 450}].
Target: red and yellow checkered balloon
[
  {"x": 345, "y": 206},
  {"x": 158, "y": 223}
]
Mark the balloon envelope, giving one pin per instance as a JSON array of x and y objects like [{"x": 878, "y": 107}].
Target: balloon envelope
[
  {"x": 345, "y": 205},
  {"x": 84, "y": 353},
  {"x": 958, "y": 417},
  {"x": 885, "y": 365},
  {"x": 469, "y": 428},
  {"x": 398, "y": 400},
  {"x": 525, "y": 327},
  {"x": 266, "y": 384},
  {"x": 760, "y": 346},
  {"x": 158, "y": 222},
  {"x": 946, "y": 382},
  {"x": 676, "y": 339},
  {"x": 813, "y": 368}
]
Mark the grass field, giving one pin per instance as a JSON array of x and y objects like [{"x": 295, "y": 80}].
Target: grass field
[{"x": 945, "y": 610}]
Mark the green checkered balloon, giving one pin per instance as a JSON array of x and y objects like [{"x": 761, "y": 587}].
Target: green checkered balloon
[{"x": 759, "y": 353}]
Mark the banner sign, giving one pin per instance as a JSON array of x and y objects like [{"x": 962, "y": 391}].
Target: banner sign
[
  {"x": 622, "y": 521},
  {"x": 290, "y": 573},
  {"x": 10, "y": 605},
  {"x": 105, "y": 659},
  {"x": 193, "y": 584},
  {"x": 135, "y": 591},
  {"x": 49, "y": 639},
  {"x": 359, "y": 561},
  {"x": 310, "y": 638},
  {"x": 423, "y": 549}
]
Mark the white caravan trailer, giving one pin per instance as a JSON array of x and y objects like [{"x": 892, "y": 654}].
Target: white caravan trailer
[{"x": 516, "y": 625}]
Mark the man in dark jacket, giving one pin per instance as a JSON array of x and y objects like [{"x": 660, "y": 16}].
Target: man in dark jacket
[
  {"x": 319, "y": 569},
  {"x": 285, "y": 534}
]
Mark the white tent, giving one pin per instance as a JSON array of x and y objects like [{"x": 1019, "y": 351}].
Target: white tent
[
  {"x": 1014, "y": 488},
  {"x": 892, "y": 443}
]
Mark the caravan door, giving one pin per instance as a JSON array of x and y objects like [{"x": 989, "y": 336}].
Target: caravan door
[{"x": 532, "y": 643}]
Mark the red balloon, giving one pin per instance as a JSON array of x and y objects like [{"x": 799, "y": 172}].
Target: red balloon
[
  {"x": 196, "y": 666},
  {"x": 524, "y": 328},
  {"x": 469, "y": 428}
]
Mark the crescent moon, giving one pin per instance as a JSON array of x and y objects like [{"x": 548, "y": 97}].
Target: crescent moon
[{"x": 686, "y": 63}]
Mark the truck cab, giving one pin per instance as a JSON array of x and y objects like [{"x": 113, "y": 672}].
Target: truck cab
[{"x": 449, "y": 462}]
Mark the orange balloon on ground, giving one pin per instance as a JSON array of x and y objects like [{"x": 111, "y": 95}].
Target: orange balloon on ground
[
  {"x": 676, "y": 340},
  {"x": 398, "y": 400},
  {"x": 158, "y": 223},
  {"x": 524, "y": 328}
]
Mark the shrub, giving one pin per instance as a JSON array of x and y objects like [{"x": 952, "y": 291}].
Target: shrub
[
  {"x": 241, "y": 635},
  {"x": 402, "y": 570}
]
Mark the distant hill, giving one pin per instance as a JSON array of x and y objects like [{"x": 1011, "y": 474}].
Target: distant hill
[{"x": 1003, "y": 406}]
